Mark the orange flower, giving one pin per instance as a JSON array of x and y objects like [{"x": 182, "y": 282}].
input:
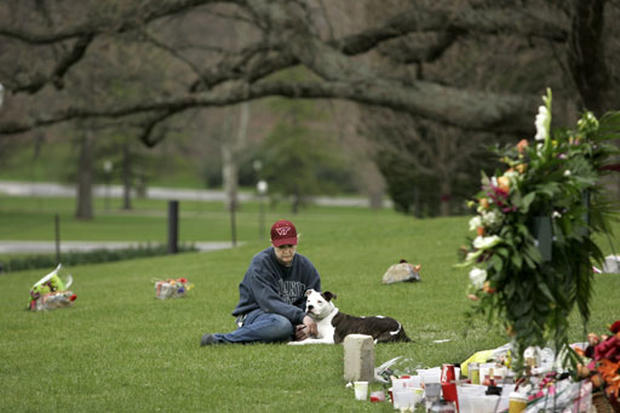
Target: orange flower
[
  {"x": 480, "y": 231},
  {"x": 486, "y": 287},
  {"x": 472, "y": 297},
  {"x": 484, "y": 203},
  {"x": 503, "y": 183},
  {"x": 522, "y": 145},
  {"x": 597, "y": 380},
  {"x": 609, "y": 372}
]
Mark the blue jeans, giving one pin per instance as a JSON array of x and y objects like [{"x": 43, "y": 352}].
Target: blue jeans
[{"x": 260, "y": 326}]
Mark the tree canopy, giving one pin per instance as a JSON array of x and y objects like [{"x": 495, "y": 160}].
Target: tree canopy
[{"x": 178, "y": 57}]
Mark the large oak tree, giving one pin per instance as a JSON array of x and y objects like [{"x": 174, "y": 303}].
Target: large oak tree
[{"x": 182, "y": 60}]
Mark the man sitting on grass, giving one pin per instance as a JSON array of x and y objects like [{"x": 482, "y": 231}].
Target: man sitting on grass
[{"x": 272, "y": 294}]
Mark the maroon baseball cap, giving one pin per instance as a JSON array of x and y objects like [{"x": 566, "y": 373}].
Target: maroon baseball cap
[{"x": 283, "y": 232}]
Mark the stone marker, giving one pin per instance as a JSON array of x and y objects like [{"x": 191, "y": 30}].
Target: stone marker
[
  {"x": 612, "y": 264},
  {"x": 359, "y": 358}
]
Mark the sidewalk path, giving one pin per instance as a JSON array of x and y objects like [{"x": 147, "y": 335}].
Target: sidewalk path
[
  {"x": 50, "y": 189},
  {"x": 41, "y": 247}
]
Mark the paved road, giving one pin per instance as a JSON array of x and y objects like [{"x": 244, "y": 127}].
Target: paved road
[
  {"x": 50, "y": 189},
  {"x": 43, "y": 247}
]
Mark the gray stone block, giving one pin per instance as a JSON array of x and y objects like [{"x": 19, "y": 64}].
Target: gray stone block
[
  {"x": 612, "y": 264},
  {"x": 359, "y": 358}
]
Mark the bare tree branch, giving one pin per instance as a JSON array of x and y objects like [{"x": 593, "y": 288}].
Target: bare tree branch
[
  {"x": 287, "y": 41},
  {"x": 471, "y": 110}
]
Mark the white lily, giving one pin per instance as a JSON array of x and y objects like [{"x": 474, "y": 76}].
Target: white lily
[
  {"x": 475, "y": 222},
  {"x": 491, "y": 218},
  {"x": 477, "y": 276},
  {"x": 483, "y": 243},
  {"x": 542, "y": 120},
  {"x": 472, "y": 257}
]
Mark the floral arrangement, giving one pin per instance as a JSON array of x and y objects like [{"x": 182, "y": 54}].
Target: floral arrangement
[
  {"x": 601, "y": 363},
  {"x": 172, "y": 288},
  {"x": 531, "y": 258},
  {"x": 51, "y": 292}
]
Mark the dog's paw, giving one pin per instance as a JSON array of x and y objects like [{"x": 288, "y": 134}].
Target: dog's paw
[{"x": 295, "y": 343}]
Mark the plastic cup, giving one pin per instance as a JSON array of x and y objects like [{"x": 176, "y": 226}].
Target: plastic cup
[
  {"x": 361, "y": 390},
  {"x": 432, "y": 375},
  {"x": 377, "y": 396},
  {"x": 416, "y": 381},
  {"x": 418, "y": 394},
  {"x": 432, "y": 391},
  {"x": 517, "y": 402},
  {"x": 484, "y": 404},
  {"x": 404, "y": 399},
  {"x": 398, "y": 384},
  {"x": 467, "y": 393}
]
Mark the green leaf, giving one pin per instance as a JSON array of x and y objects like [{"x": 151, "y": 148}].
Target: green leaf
[
  {"x": 502, "y": 252},
  {"x": 545, "y": 290},
  {"x": 526, "y": 201},
  {"x": 496, "y": 264}
]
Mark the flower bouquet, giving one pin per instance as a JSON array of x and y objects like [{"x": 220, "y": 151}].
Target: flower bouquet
[
  {"x": 531, "y": 258},
  {"x": 601, "y": 363},
  {"x": 51, "y": 292},
  {"x": 172, "y": 288}
]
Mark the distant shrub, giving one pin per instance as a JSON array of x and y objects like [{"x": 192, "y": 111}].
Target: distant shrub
[{"x": 88, "y": 257}]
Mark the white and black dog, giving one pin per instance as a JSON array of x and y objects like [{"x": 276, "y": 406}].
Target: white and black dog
[{"x": 333, "y": 326}]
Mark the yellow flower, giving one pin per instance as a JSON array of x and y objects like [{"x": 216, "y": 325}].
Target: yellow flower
[
  {"x": 487, "y": 288},
  {"x": 521, "y": 168},
  {"x": 503, "y": 183}
]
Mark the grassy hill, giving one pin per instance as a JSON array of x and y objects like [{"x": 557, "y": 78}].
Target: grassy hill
[{"x": 120, "y": 349}]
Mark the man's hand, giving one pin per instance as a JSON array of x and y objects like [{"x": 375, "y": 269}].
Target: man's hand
[{"x": 306, "y": 330}]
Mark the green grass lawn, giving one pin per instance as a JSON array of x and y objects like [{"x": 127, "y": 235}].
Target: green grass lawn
[
  {"x": 33, "y": 219},
  {"x": 120, "y": 349}
]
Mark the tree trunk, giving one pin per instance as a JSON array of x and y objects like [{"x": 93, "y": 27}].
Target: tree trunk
[
  {"x": 84, "y": 208},
  {"x": 229, "y": 174},
  {"x": 126, "y": 172},
  {"x": 231, "y": 148},
  {"x": 296, "y": 203},
  {"x": 445, "y": 196},
  {"x": 586, "y": 56}
]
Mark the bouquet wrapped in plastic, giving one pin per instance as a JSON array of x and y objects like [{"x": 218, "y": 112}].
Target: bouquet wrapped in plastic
[
  {"x": 601, "y": 363},
  {"x": 172, "y": 288},
  {"x": 51, "y": 292}
]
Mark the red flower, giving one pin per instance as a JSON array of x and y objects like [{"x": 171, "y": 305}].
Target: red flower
[{"x": 608, "y": 349}]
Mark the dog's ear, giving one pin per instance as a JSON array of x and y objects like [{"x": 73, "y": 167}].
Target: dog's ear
[{"x": 328, "y": 295}]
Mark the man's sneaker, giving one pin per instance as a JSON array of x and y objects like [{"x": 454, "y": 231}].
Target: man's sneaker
[{"x": 208, "y": 339}]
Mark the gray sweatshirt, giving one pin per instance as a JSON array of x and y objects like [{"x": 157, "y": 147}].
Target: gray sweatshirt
[{"x": 274, "y": 288}]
